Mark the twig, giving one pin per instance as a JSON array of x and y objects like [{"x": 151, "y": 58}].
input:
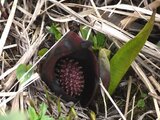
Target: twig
[
  {"x": 104, "y": 101},
  {"x": 10, "y": 46},
  {"x": 146, "y": 113},
  {"x": 110, "y": 98},
  {"x": 146, "y": 81},
  {"x": 155, "y": 83},
  {"x": 154, "y": 95},
  {"x": 128, "y": 95},
  {"x": 36, "y": 13},
  {"x": 33, "y": 78},
  {"x": 28, "y": 82},
  {"x": 24, "y": 59},
  {"x": 152, "y": 6},
  {"x": 67, "y": 9},
  {"x": 132, "y": 111},
  {"x": 7, "y": 27},
  {"x": 95, "y": 9}
]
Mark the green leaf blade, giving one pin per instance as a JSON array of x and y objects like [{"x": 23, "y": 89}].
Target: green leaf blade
[
  {"x": 32, "y": 114},
  {"x": 122, "y": 60},
  {"x": 21, "y": 72},
  {"x": 43, "y": 109},
  {"x": 101, "y": 40},
  {"x": 141, "y": 103},
  {"x": 42, "y": 52}
]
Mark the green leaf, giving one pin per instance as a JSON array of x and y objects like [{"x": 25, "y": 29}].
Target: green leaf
[
  {"x": 98, "y": 40},
  {"x": 104, "y": 63},
  {"x": 46, "y": 117},
  {"x": 62, "y": 118},
  {"x": 59, "y": 106},
  {"x": 53, "y": 29},
  {"x": 122, "y": 60},
  {"x": 84, "y": 33},
  {"x": 42, "y": 52},
  {"x": 72, "y": 114},
  {"x": 101, "y": 39},
  {"x": 95, "y": 43},
  {"x": 43, "y": 109},
  {"x": 92, "y": 115},
  {"x": 32, "y": 114},
  {"x": 20, "y": 72},
  {"x": 141, "y": 103}
]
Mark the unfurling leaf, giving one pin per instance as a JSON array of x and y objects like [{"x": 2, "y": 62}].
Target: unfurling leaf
[{"x": 104, "y": 66}]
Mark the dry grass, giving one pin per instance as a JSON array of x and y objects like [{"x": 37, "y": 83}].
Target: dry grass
[{"x": 24, "y": 29}]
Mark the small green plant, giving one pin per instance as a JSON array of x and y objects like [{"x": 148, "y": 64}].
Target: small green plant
[
  {"x": 54, "y": 30},
  {"x": 141, "y": 103},
  {"x": 71, "y": 115},
  {"x": 41, "y": 115},
  {"x": 98, "y": 39}
]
